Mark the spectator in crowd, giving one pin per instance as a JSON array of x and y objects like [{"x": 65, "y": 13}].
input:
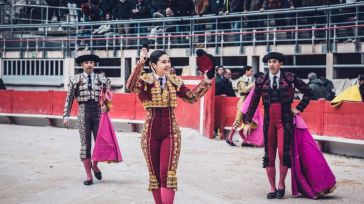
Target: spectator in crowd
[
  {"x": 278, "y": 4},
  {"x": 73, "y": 14},
  {"x": 201, "y": 7},
  {"x": 172, "y": 70},
  {"x": 182, "y": 7},
  {"x": 329, "y": 88},
  {"x": 123, "y": 11},
  {"x": 54, "y": 11},
  {"x": 103, "y": 29},
  {"x": 107, "y": 6},
  {"x": 235, "y": 6},
  {"x": 219, "y": 73},
  {"x": 255, "y": 21},
  {"x": 159, "y": 6},
  {"x": 91, "y": 10},
  {"x": 224, "y": 86},
  {"x": 141, "y": 10},
  {"x": 361, "y": 86},
  {"x": 317, "y": 86},
  {"x": 217, "y": 7}
]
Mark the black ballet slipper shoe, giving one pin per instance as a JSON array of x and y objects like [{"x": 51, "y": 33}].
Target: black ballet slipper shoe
[
  {"x": 246, "y": 145},
  {"x": 88, "y": 182},
  {"x": 230, "y": 143},
  {"x": 272, "y": 195},
  {"x": 280, "y": 193},
  {"x": 98, "y": 175}
]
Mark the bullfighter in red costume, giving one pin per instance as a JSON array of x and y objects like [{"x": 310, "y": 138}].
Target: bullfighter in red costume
[
  {"x": 161, "y": 137},
  {"x": 277, "y": 90}
]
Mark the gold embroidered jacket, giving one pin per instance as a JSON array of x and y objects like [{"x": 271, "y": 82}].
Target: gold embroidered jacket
[{"x": 151, "y": 94}]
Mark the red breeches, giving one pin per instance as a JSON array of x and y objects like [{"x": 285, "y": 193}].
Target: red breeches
[
  {"x": 275, "y": 134},
  {"x": 160, "y": 145}
]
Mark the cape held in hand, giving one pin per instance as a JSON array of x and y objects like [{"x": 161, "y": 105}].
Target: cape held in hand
[{"x": 106, "y": 146}]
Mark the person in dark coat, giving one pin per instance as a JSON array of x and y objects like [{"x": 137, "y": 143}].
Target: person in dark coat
[
  {"x": 329, "y": 88},
  {"x": 361, "y": 86},
  {"x": 106, "y": 6},
  {"x": 317, "y": 86},
  {"x": 224, "y": 87},
  {"x": 277, "y": 88}
]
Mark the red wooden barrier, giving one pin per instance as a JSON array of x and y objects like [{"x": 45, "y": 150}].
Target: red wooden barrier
[
  {"x": 32, "y": 102},
  {"x": 58, "y": 100},
  {"x": 218, "y": 112},
  {"x": 6, "y": 104},
  {"x": 123, "y": 106},
  {"x": 345, "y": 120},
  {"x": 209, "y": 112}
]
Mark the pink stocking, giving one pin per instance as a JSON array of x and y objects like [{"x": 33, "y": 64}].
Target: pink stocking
[
  {"x": 282, "y": 176},
  {"x": 95, "y": 167},
  {"x": 271, "y": 172},
  {"x": 87, "y": 165},
  {"x": 167, "y": 195},
  {"x": 157, "y": 196}
]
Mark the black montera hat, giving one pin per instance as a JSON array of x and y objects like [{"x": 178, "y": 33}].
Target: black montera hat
[
  {"x": 84, "y": 58},
  {"x": 274, "y": 55},
  {"x": 206, "y": 62}
]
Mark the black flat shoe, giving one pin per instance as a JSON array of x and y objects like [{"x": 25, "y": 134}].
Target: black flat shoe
[
  {"x": 98, "y": 175},
  {"x": 88, "y": 182},
  {"x": 246, "y": 145},
  {"x": 230, "y": 143},
  {"x": 272, "y": 195},
  {"x": 280, "y": 193}
]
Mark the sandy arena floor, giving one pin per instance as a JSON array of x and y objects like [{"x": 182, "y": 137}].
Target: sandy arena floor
[{"x": 41, "y": 165}]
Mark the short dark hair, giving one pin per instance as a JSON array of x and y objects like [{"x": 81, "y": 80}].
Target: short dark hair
[
  {"x": 258, "y": 74},
  {"x": 247, "y": 68}
]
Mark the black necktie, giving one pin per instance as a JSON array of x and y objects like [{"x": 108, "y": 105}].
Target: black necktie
[
  {"x": 89, "y": 85},
  {"x": 275, "y": 85},
  {"x": 161, "y": 82}
]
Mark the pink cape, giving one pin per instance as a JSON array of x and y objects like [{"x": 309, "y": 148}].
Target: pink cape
[
  {"x": 106, "y": 147},
  {"x": 311, "y": 175},
  {"x": 256, "y": 135}
]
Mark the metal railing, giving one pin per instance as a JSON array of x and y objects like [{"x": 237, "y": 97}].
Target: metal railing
[
  {"x": 33, "y": 71},
  {"x": 311, "y": 25}
]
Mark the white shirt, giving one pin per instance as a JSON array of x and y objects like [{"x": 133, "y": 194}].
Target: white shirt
[
  {"x": 272, "y": 79},
  {"x": 163, "y": 81}
]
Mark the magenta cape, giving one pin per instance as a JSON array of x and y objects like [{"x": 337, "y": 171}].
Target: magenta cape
[
  {"x": 106, "y": 147},
  {"x": 311, "y": 175},
  {"x": 256, "y": 135}
]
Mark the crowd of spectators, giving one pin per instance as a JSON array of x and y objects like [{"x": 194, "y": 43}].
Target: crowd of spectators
[{"x": 137, "y": 9}]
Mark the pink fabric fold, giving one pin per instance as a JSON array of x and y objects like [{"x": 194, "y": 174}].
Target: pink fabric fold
[
  {"x": 256, "y": 135},
  {"x": 106, "y": 146},
  {"x": 311, "y": 175}
]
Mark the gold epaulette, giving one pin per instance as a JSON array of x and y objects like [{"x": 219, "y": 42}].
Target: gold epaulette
[
  {"x": 175, "y": 80},
  {"x": 147, "y": 77}
]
